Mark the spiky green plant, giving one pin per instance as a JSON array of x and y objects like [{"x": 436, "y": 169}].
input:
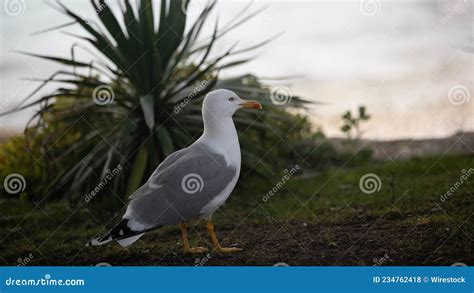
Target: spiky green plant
[{"x": 139, "y": 100}]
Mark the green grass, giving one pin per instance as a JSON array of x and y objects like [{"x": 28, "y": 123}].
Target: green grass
[
  {"x": 409, "y": 196},
  {"x": 407, "y": 187}
]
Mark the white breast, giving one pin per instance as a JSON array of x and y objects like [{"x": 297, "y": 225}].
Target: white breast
[
  {"x": 222, "y": 140},
  {"x": 231, "y": 153}
]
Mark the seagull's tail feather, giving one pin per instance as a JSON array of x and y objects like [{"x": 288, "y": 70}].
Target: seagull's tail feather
[
  {"x": 100, "y": 240},
  {"x": 124, "y": 242},
  {"x": 121, "y": 233}
]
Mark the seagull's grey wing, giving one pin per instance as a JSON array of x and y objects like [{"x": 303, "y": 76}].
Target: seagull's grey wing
[
  {"x": 169, "y": 160},
  {"x": 180, "y": 189}
]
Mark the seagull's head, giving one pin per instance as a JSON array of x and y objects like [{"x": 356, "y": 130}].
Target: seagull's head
[{"x": 224, "y": 103}]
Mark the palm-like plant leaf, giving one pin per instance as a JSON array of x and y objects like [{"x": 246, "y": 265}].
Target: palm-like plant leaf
[{"x": 149, "y": 73}]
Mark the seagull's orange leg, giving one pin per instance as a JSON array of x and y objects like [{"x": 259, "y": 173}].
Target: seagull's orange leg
[
  {"x": 215, "y": 242},
  {"x": 187, "y": 248}
]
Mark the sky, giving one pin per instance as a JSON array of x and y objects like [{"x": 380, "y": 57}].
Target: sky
[{"x": 403, "y": 60}]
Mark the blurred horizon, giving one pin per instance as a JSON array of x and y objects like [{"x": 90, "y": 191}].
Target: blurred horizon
[{"x": 403, "y": 60}]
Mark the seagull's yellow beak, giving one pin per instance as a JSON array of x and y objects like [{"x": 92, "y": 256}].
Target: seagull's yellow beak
[{"x": 251, "y": 105}]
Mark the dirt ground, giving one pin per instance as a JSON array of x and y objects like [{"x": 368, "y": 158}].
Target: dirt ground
[
  {"x": 403, "y": 224},
  {"x": 383, "y": 242}
]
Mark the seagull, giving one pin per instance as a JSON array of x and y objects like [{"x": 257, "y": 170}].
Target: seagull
[{"x": 190, "y": 184}]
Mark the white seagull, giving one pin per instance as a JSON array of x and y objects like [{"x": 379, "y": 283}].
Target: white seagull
[{"x": 192, "y": 183}]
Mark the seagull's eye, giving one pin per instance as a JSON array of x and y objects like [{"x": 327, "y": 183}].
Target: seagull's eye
[{"x": 231, "y": 99}]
